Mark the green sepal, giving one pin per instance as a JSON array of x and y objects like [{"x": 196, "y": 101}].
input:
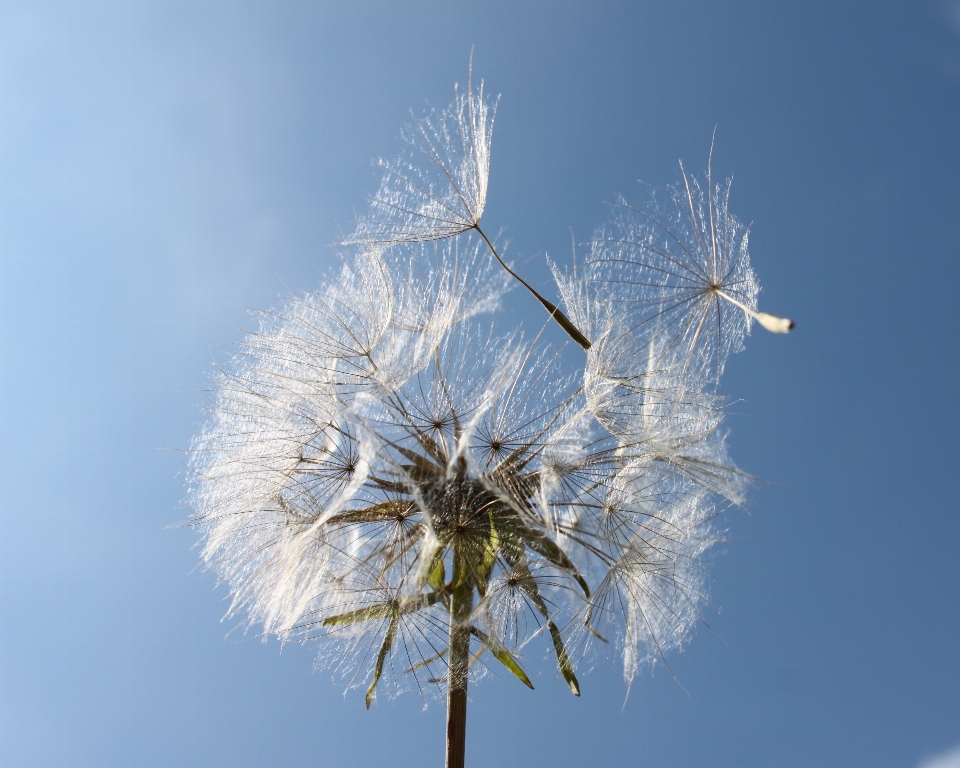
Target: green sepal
[
  {"x": 490, "y": 549},
  {"x": 363, "y": 614},
  {"x": 544, "y": 545},
  {"x": 385, "y": 510},
  {"x": 381, "y": 657},
  {"x": 438, "y": 575},
  {"x": 382, "y": 611},
  {"x": 503, "y": 656},
  {"x": 563, "y": 660}
]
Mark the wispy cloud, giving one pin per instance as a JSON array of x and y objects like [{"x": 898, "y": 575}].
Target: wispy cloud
[{"x": 950, "y": 759}]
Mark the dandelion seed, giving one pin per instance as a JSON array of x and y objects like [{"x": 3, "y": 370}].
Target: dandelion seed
[
  {"x": 438, "y": 189},
  {"x": 681, "y": 272}
]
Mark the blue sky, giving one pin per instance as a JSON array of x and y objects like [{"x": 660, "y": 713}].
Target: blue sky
[{"x": 165, "y": 166}]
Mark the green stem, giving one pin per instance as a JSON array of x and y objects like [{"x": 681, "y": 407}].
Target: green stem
[
  {"x": 461, "y": 604},
  {"x": 552, "y": 308}
]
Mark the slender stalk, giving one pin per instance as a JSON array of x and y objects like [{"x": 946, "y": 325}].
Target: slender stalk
[
  {"x": 552, "y": 308},
  {"x": 461, "y": 604}
]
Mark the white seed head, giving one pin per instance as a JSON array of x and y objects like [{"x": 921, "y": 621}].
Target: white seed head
[
  {"x": 381, "y": 434},
  {"x": 372, "y": 426}
]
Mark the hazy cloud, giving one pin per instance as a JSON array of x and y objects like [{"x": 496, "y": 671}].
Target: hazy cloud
[{"x": 949, "y": 759}]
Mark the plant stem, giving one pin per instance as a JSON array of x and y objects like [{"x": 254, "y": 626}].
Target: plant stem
[
  {"x": 461, "y": 604},
  {"x": 572, "y": 331}
]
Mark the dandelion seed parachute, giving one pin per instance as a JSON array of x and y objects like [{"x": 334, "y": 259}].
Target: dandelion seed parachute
[
  {"x": 438, "y": 188},
  {"x": 679, "y": 272}
]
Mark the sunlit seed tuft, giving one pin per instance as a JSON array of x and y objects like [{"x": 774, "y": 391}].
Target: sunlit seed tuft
[{"x": 389, "y": 474}]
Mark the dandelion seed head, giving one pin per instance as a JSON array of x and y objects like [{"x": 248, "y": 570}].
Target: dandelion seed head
[
  {"x": 375, "y": 431},
  {"x": 389, "y": 474}
]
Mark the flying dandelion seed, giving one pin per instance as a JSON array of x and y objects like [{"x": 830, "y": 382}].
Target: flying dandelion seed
[
  {"x": 389, "y": 474},
  {"x": 438, "y": 188},
  {"x": 680, "y": 271}
]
